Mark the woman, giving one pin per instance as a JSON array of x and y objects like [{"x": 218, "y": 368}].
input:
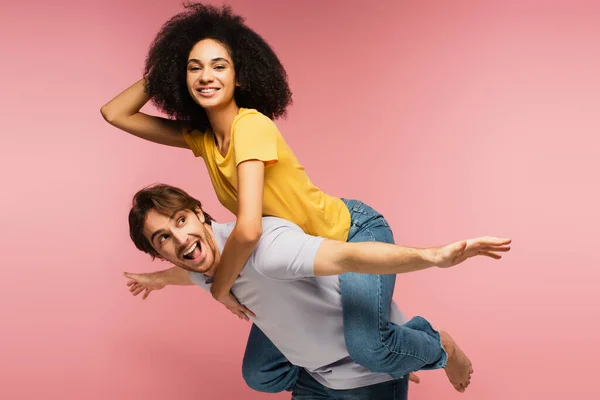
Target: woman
[{"x": 222, "y": 85}]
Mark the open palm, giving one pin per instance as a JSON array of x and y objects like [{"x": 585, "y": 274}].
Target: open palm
[
  {"x": 455, "y": 253},
  {"x": 146, "y": 283}
]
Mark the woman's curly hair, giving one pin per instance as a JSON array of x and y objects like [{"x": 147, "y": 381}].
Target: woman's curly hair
[{"x": 260, "y": 74}]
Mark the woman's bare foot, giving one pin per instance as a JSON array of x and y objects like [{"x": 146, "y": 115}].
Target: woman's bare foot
[{"x": 459, "y": 367}]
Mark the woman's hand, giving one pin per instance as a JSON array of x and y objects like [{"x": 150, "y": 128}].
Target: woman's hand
[{"x": 229, "y": 301}]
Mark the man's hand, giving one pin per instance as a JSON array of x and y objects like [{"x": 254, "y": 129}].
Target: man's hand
[
  {"x": 139, "y": 283},
  {"x": 455, "y": 253},
  {"x": 234, "y": 306}
]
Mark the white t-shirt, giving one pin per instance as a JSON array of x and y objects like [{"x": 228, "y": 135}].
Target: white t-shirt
[{"x": 300, "y": 313}]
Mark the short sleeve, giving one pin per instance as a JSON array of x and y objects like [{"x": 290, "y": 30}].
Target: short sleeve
[
  {"x": 284, "y": 251},
  {"x": 255, "y": 138},
  {"x": 195, "y": 141},
  {"x": 199, "y": 279}
]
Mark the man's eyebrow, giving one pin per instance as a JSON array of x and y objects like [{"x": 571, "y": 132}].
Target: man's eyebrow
[
  {"x": 156, "y": 233},
  {"x": 171, "y": 217}
]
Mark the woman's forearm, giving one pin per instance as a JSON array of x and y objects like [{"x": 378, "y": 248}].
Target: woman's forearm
[
  {"x": 235, "y": 254},
  {"x": 126, "y": 103}
]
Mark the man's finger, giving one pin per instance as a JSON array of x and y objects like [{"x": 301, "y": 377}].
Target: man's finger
[
  {"x": 499, "y": 248},
  {"x": 491, "y": 254},
  {"x": 134, "y": 287},
  {"x": 131, "y": 282},
  {"x": 139, "y": 290},
  {"x": 494, "y": 241},
  {"x": 146, "y": 294}
]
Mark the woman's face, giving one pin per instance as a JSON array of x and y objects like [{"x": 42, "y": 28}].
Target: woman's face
[{"x": 210, "y": 75}]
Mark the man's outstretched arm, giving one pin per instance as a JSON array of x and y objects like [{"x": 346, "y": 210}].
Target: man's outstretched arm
[
  {"x": 139, "y": 283},
  {"x": 334, "y": 257}
]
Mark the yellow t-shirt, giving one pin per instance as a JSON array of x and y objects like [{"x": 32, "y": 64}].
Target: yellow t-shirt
[{"x": 288, "y": 193}]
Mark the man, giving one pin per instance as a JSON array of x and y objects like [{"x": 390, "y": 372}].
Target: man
[{"x": 291, "y": 282}]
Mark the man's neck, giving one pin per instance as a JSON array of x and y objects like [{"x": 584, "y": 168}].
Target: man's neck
[{"x": 210, "y": 237}]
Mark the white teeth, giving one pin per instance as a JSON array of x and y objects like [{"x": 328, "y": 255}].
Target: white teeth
[
  {"x": 191, "y": 249},
  {"x": 207, "y": 90}
]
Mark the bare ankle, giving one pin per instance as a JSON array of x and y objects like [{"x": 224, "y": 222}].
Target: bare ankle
[{"x": 448, "y": 343}]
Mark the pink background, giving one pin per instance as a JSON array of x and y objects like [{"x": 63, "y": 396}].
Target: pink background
[{"x": 454, "y": 119}]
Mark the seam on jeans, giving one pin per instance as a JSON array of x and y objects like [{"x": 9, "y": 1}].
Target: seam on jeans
[
  {"x": 371, "y": 218},
  {"x": 401, "y": 353},
  {"x": 356, "y": 205},
  {"x": 371, "y": 235}
]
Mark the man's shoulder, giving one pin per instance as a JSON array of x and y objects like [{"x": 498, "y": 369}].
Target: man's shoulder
[
  {"x": 270, "y": 223},
  {"x": 284, "y": 251},
  {"x": 272, "y": 228}
]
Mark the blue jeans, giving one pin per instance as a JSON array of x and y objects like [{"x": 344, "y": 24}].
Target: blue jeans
[
  {"x": 372, "y": 341},
  {"x": 307, "y": 388}
]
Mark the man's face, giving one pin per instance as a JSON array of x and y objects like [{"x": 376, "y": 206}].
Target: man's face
[{"x": 182, "y": 239}]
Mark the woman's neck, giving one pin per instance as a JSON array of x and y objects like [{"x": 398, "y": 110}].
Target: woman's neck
[{"x": 220, "y": 122}]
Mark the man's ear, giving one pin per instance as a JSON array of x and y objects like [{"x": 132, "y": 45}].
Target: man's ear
[{"x": 200, "y": 214}]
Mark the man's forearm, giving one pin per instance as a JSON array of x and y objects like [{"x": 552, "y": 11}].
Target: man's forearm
[
  {"x": 173, "y": 276},
  {"x": 384, "y": 258},
  {"x": 335, "y": 258}
]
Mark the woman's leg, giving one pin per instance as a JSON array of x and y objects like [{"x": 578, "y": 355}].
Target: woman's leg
[
  {"x": 373, "y": 341},
  {"x": 264, "y": 368}
]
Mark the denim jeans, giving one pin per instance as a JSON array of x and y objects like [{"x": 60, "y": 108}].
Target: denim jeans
[
  {"x": 372, "y": 341},
  {"x": 307, "y": 388}
]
